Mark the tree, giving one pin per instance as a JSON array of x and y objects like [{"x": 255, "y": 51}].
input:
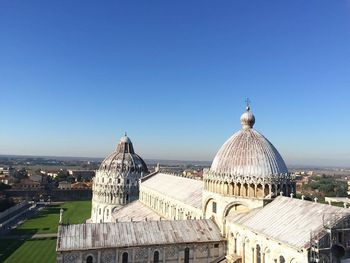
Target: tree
[{"x": 20, "y": 174}]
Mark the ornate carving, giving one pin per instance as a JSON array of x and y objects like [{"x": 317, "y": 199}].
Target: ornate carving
[
  {"x": 170, "y": 252},
  {"x": 141, "y": 253},
  {"x": 108, "y": 256},
  {"x": 71, "y": 257}
]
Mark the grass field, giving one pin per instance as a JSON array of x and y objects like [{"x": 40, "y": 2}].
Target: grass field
[
  {"x": 46, "y": 221},
  {"x": 25, "y": 251}
]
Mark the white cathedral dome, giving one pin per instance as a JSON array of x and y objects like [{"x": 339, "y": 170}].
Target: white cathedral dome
[
  {"x": 123, "y": 159},
  {"x": 248, "y": 153}
]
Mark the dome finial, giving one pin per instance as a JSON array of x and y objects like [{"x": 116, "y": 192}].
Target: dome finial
[
  {"x": 247, "y": 101},
  {"x": 125, "y": 134},
  {"x": 247, "y": 118}
]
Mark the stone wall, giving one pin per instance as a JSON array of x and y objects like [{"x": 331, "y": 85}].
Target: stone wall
[
  {"x": 55, "y": 195},
  {"x": 199, "y": 252},
  {"x": 251, "y": 246}
]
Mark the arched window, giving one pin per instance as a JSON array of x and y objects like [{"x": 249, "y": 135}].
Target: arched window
[
  {"x": 156, "y": 257},
  {"x": 282, "y": 260},
  {"x": 258, "y": 254},
  {"x": 125, "y": 257},
  {"x": 89, "y": 259},
  {"x": 187, "y": 255}
]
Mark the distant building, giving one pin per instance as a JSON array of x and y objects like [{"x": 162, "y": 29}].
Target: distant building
[
  {"x": 7, "y": 171},
  {"x": 36, "y": 178},
  {"x": 83, "y": 174},
  {"x": 81, "y": 185},
  {"x": 26, "y": 184},
  {"x": 52, "y": 175},
  {"x": 6, "y": 175},
  {"x": 64, "y": 185}
]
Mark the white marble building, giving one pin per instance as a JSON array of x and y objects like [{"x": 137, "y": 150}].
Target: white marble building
[
  {"x": 244, "y": 211},
  {"x": 117, "y": 181}
]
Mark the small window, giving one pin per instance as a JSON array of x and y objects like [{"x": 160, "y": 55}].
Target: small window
[
  {"x": 99, "y": 211},
  {"x": 127, "y": 181},
  {"x": 214, "y": 207},
  {"x": 216, "y": 245},
  {"x": 118, "y": 180},
  {"x": 340, "y": 237},
  {"x": 156, "y": 257},
  {"x": 125, "y": 257},
  {"x": 89, "y": 259},
  {"x": 282, "y": 260},
  {"x": 187, "y": 255}
]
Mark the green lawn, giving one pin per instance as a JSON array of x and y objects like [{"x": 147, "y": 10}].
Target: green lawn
[
  {"x": 32, "y": 250},
  {"x": 42, "y": 250},
  {"x": 47, "y": 220}
]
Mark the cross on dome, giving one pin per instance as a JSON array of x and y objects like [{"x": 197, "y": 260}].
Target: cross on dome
[
  {"x": 247, "y": 101},
  {"x": 247, "y": 118}
]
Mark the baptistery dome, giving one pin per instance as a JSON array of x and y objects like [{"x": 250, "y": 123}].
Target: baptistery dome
[
  {"x": 123, "y": 160},
  {"x": 117, "y": 181},
  {"x": 248, "y": 153}
]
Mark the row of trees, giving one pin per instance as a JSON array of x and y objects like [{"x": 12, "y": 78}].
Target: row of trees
[{"x": 326, "y": 186}]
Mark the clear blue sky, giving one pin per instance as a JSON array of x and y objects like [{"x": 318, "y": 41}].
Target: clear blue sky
[{"x": 74, "y": 75}]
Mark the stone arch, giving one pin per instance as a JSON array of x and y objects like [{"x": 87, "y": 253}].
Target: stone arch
[
  {"x": 259, "y": 255},
  {"x": 232, "y": 188},
  {"x": 89, "y": 258},
  {"x": 266, "y": 190},
  {"x": 237, "y": 206},
  {"x": 251, "y": 190},
  {"x": 267, "y": 255},
  {"x": 260, "y": 191},
  {"x": 207, "y": 212},
  {"x": 238, "y": 190},
  {"x": 284, "y": 190},
  {"x": 238, "y": 244},
  {"x": 222, "y": 191},
  {"x": 338, "y": 251},
  {"x": 225, "y": 188},
  {"x": 156, "y": 256},
  {"x": 245, "y": 189},
  {"x": 273, "y": 190},
  {"x": 125, "y": 257},
  {"x": 245, "y": 247}
]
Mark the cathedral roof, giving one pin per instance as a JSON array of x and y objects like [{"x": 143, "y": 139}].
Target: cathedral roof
[
  {"x": 135, "y": 211},
  {"x": 248, "y": 153},
  {"x": 123, "y": 158},
  {"x": 131, "y": 234},
  {"x": 188, "y": 191},
  {"x": 290, "y": 220}
]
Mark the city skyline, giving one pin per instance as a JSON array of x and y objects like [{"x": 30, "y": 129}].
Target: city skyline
[{"x": 75, "y": 76}]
